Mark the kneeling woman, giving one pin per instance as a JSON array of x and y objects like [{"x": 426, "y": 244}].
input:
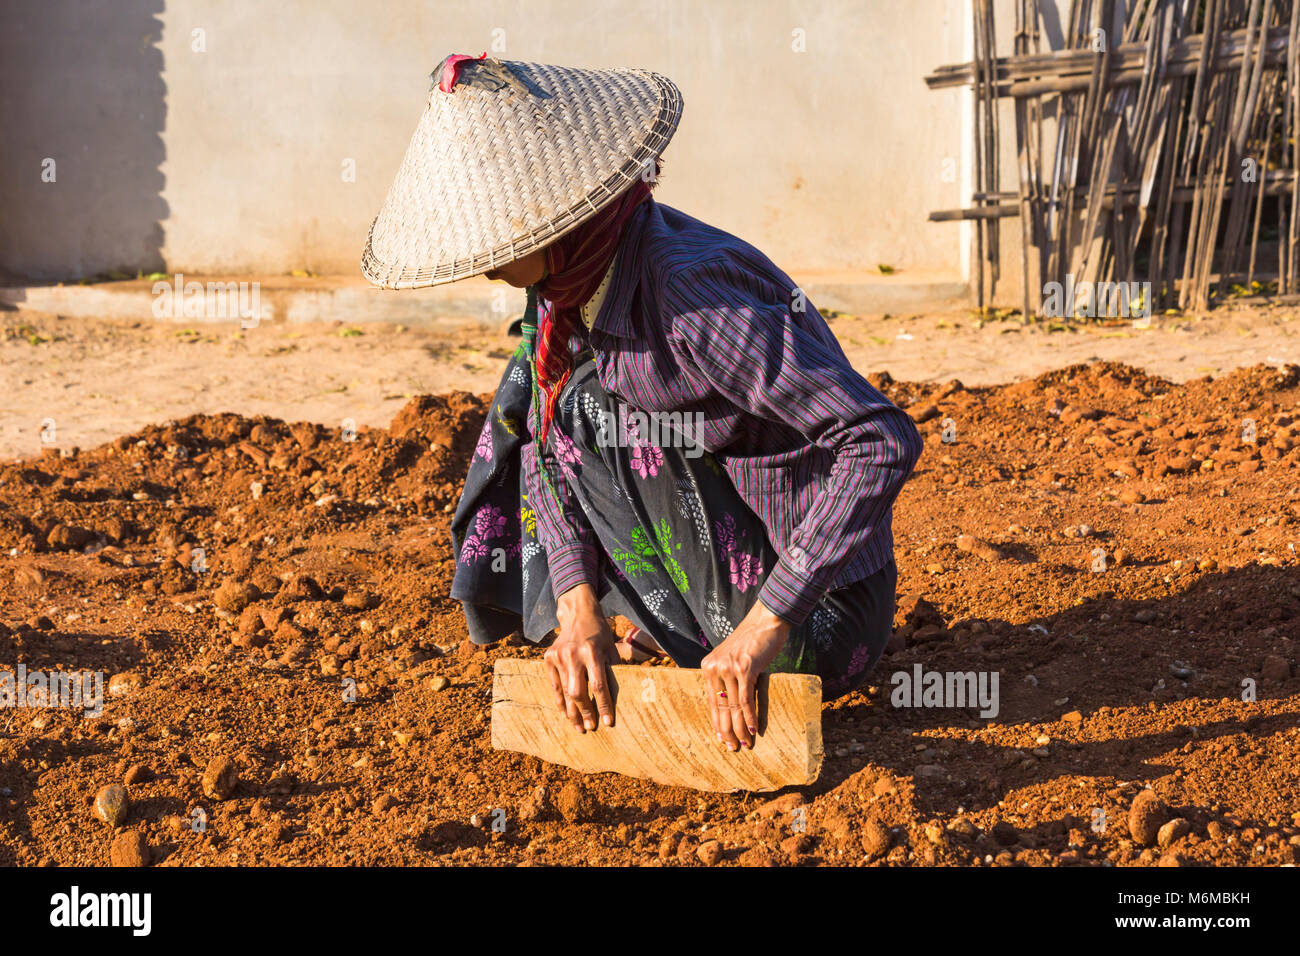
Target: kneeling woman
[{"x": 679, "y": 439}]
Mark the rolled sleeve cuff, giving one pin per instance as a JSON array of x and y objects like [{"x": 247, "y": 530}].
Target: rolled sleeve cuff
[
  {"x": 789, "y": 594},
  {"x": 571, "y": 565}
]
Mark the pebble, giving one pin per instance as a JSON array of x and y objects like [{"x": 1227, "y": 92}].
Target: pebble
[
  {"x": 574, "y": 803},
  {"x": 112, "y": 804},
  {"x": 709, "y": 852},
  {"x": 361, "y": 600},
  {"x": 875, "y": 839},
  {"x": 383, "y": 803},
  {"x": 129, "y": 849},
  {"x": 535, "y": 806},
  {"x": 138, "y": 773},
  {"x": 978, "y": 547},
  {"x": 438, "y": 683},
  {"x": 124, "y": 684},
  {"x": 220, "y": 778},
  {"x": 234, "y": 596},
  {"x": 1145, "y": 818},
  {"x": 1172, "y": 832}
]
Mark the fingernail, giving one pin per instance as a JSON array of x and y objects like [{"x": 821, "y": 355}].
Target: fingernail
[
  {"x": 719, "y": 736},
  {"x": 731, "y": 746},
  {"x": 589, "y": 725},
  {"x": 753, "y": 730},
  {"x": 607, "y": 720}
]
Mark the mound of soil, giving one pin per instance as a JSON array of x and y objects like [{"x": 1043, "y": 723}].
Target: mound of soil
[{"x": 287, "y": 682}]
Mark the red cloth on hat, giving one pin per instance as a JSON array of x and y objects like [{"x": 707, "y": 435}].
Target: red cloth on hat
[
  {"x": 575, "y": 265},
  {"x": 451, "y": 69}
]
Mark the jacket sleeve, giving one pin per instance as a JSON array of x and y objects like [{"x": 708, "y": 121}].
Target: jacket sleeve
[
  {"x": 562, "y": 527},
  {"x": 740, "y": 335}
]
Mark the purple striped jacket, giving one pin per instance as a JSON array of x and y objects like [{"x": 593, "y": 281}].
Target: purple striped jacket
[{"x": 698, "y": 321}]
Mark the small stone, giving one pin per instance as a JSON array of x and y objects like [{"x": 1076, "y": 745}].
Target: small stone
[
  {"x": 360, "y": 600},
  {"x": 63, "y": 537},
  {"x": 124, "y": 684},
  {"x": 574, "y": 803},
  {"x": 534, "y": 807},
  {"x": 1172, "y": 832},
  {"x": 250, "y": 620},
  {"x": 383, "y": 804},
  {"x": 138, "y": 773},
  {"x": 112, "y": 804},
  {"x": 1145, "y": 818},
  {"x": 978, "y": 547},
  {"x": 220, "y": 778},
  {"x": 438, "y": 683},
  {"x": 1073, "y": 717},
  {"x": 129, "y": 849},
  {"x": 709, "y": 852},
  {"x": 300, "y": 587},
  {"x": 234, "y": 596},
  {"x": 924, "y": 413}
]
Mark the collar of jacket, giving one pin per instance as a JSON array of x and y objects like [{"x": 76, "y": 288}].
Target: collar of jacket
[{"x": 615, "y": 315}]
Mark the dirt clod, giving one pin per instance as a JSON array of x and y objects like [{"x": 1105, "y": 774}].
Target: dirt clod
[
  {"x": 1146, "y": 816},
  {"x": 220, "y": 778},
  {"x": 129, "y": 849},
  {"x": 574, "y": 803}
]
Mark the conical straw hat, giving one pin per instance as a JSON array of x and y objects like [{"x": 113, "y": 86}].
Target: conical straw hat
[{"x": 516, "y": 155}]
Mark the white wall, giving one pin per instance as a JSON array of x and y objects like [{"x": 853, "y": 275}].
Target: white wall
[{"x": 230, "y": 160}]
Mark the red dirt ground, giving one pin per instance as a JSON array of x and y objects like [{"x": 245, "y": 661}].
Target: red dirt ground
[{"x": 345, "y": 558}]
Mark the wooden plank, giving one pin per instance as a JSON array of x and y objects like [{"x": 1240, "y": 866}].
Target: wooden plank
[{"x": 662, "y": 730}]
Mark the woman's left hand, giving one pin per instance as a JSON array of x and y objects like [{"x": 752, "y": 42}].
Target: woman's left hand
[{"x": 731, "y": 671}]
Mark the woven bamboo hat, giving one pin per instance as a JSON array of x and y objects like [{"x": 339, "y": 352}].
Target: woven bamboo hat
[{"x": 512, "y": 157}]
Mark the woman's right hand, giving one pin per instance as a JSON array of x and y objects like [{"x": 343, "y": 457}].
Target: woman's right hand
[{"x": 577, "y": 660}]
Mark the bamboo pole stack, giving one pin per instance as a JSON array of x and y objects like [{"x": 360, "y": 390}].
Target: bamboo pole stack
[{"x": 1157, "y": 144}]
